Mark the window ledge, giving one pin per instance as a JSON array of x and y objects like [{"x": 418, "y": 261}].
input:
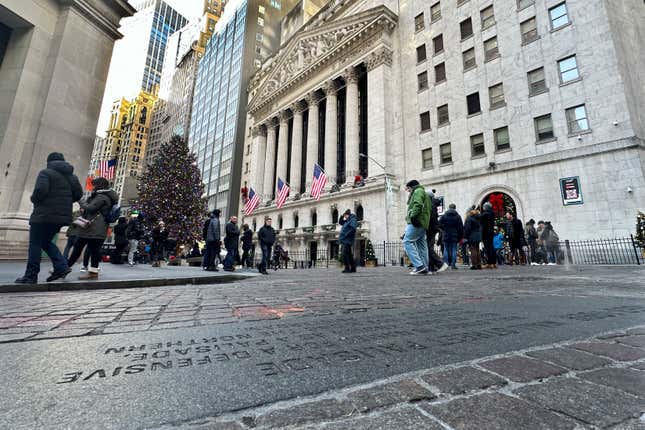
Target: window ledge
[
  {"x": 528, "y": 42},
  {"x": 477, "y": 157},
  {"x": 467, "y": 38},
  {"x": 538, "y": 93},
  {"x": 419, "y": 30},
  {"x": 580, "y": 133},
  {"x": 419, "y": 63},
  {"x": 489, "y": 26},
  {"x": 502, "y": 151},
  {"x": 525, "y": 7},
  {"x": 446, "y": 164},
  {"x": 568, "y": 24},
  {"x": 497, "y": 106},
  {"x": 488, "y": 60},
  {"x": 572, "y": 81},
  {"x": 541, "y": 142},
  {"x": 433, "y": 20},
  {"x": 472, "y": 115},
  {"x": 425, "y": 131},
  {"x": 421, "y": 90},
  {"x": 470, "y": 68},
  {"x": 441, "y": 82},
  {"x": 436, "y": 54},
  {"x": 445, "y": 124}
]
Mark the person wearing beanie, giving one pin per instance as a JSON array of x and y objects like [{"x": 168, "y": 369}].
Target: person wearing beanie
[
  {"x": 346, "y": 238},
  {"x": 487, "y": 222},
  {"x": 418, "y": 219},
  {"x": 55, "y": 191}
]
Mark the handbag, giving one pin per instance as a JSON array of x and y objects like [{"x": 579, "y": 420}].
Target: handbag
[{"x": 83, "y": 223}]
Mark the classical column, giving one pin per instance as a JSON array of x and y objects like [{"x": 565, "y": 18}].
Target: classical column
[
  {"x": 379, "y": 111},
  {"x": 312, "y": 138},
  {"x": 283, "y": 148},
  {"x": 296, "y": 148},
  {"x": 269, "y": 163},
  {"x": 352, "y": 126},
  {"x": 259, "y": 157},
  {"x": 331, "y": 131}
]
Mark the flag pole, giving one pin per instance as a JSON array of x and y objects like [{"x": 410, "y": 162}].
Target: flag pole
[{"x": 328, "y": 177}]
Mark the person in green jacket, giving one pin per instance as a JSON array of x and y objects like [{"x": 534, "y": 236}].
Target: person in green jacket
[{"x": 418, "y": 219}]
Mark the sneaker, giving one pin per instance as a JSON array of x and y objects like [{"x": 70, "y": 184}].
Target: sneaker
[
  {"x": 59, "y": 275},
  {"x": 83, "y": 269},
  {"x": 443, "y": 268},
  {"x": 419, "y": 271},
  {"x": 551, "y": 264},
  {"x": 26, "y": 280}
]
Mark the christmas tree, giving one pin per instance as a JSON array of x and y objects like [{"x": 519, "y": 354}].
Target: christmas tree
[
  {"x": 640, "y": 228},
  {"x": 171, "y": 190},
  {"x": 369, "y": 251}
]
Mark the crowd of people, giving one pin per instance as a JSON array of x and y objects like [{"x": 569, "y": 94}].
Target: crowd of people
[{"x": 481, "y": 239}]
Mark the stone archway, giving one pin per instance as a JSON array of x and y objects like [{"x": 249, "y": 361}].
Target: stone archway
[{"x": 510, "y": 199}]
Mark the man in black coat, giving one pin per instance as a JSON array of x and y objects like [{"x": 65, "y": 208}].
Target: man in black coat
[
  {"x": 453, "y": 231},
  {"x": 247, "y": 246},
  {"x": 487, "y": 221},
  {"x": 435, "y": 262},
  {"x": 515, "y": 232},
  {"x": 266, "y": 237},
  {"x": 232, "y": 244},
  {"x": 55, "y": 191}
]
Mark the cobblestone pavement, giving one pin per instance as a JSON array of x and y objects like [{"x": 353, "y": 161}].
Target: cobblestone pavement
[{"x": 291, "y": 294}]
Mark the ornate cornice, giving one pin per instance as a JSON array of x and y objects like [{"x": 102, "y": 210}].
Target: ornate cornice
[
  {"x": 330, "y": 88},
  {"x": 313, "y": 98},
  {"x": 258, "y": 130},
  {"x": 351, "y": 75},
  {"x": 284, "y": 116},
  {"x": 104, "y": 15},
  {"x": 298, "y": 107},
  {"x": 381, "y": 56}
]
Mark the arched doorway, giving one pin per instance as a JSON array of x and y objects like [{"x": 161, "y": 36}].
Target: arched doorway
[{"x": 502, "y": 203}]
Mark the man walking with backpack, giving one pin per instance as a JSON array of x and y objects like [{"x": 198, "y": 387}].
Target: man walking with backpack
[{"x": 55, "y": 191}]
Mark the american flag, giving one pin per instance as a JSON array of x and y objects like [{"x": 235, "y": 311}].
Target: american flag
[
  {"x": 283, "y": 192},
  {"x": 252, "y": 203},
  {"x": 320, "y": 179},
  {"x": 107, "y": 168}
]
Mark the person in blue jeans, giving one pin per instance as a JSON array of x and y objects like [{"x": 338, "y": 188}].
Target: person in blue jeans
[
  {"x": 453, "y": 231},
  {"x": 55, "y": 191},
  {"x": 418, "y": 219},
  {"x": 498, "y": 244},
  {"x": 232, "y": 244}
]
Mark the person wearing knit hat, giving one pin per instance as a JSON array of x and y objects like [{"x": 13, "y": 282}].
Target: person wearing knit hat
[
  {"x": 346, "y": 238},
  {"x": 55, "y": 191},
  {"x": 418, "y": 219}
]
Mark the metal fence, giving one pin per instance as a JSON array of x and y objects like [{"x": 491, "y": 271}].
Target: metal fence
[{"x": 605, "y": 251}]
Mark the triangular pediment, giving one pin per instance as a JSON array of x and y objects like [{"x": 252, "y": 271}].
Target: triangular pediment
[{"x": 310, "y": 48}]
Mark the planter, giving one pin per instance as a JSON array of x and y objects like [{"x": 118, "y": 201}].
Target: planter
[{"x": 371, "y": 263}]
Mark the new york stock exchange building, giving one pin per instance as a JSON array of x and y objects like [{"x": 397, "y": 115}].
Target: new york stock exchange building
[{"x": 529, "y": 104}]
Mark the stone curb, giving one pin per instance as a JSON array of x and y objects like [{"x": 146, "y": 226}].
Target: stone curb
[{"x": 122, "y": 284}]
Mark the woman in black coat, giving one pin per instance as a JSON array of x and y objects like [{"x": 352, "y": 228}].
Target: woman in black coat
[
  {"x": 120, "y": 240},
  {"x": 473, "y": 233}
]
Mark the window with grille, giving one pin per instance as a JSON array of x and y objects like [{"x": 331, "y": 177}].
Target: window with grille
[
  {"x": 544, "y": 128},
  {"x": 477, "y": 145},
  {"x": 491, "y": 51},
  {"x": 419, "y": 23},
  {"x": 446, "y": 153},
  {"x": 487, "y": 17},
  {"x": 568, "y": 69},
  {"x": 559, "y": 16},
  {"x": 435, "y": 12},
  {"x": 522, "y": 4},
  {"x": 422, "y": 78},
  {"x": 537, "y": 82},
  {"x": 443, "y": 117},
  {"x": 496, "y": 96},
  {"x": 421, "y": 53},
  {"x": 529, "y": 30},
  {"x": 437, "y": 44},
  {"x": 426, "y": 156},
  {"x": 439, "y": 73},
  {"x": 502, "y": 140},
  {"x": 577, "y": 119},
  {"x": 469, "y": 59},
  {"x": 472, "y": 102},
  {"x": 425, "y": 121},
  {"x": 466, "y": 28}
]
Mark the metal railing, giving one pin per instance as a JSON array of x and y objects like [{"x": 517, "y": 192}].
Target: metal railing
[{"x": 604, "y": 251}]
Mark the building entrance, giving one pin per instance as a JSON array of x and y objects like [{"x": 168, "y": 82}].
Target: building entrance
[{"x": 502, "y": 203}]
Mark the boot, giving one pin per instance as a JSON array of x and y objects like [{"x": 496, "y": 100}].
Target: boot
[{"x": 89, "y": 276}]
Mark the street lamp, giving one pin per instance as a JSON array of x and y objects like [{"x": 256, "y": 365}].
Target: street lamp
[{"x": 388, "y": 192}]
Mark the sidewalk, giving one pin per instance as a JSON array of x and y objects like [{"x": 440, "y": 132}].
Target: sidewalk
[{"x": 116, "y": 276}]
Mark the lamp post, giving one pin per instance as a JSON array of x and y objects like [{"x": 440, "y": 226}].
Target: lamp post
[{"x": 388, "y": 192}]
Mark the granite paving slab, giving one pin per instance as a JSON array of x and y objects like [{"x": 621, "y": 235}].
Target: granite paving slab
[{"x": 462, "y": 380}]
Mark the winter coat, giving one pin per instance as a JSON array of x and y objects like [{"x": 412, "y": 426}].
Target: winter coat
[
  {"x": 498, "y": 241},
  {"x": 120, "y": 233},
  {"x": 95, "y": 209},
  {"x": 347, "y": 234},
  {"x": 213, "y": 233},
  {"x": 232, "y": 238},
  {"x": 452, "y": 226},
  {"x": 266, "y": 235},
  {"x": 487, "y": 223},
  {"x": 134, "y": 230},
  {"x": 419, "y": 207},
  {"x": 56, "y": 189},
  {"x": 159, "y": 237},
  {"x": 531, "y": 234},
  {"x": 515, "y": 230},
  {"x": 551, "y": 239},
  {"x": 247, "y": 240},
  {"x": 472, "y": 229}
]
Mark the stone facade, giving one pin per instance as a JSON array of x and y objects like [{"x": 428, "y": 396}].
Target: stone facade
[
  {"x": 53, "y": 74},
  {"x": 546, "y": 56}
]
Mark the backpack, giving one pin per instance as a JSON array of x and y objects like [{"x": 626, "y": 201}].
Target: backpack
[{"x": 113, "y": 214}]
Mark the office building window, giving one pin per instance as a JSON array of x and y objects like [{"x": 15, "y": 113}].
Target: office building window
[
  {"x": 443, "y": 117},
  {"x": 544, "y": 128},
  {"x": 568, "y": 69},
  {"x": 435, "y": 12},
  {"x": 437, "y": 44},
  {"x": 421, "y": 53},
  {"x": 425, "y": 121},
  {"x": 460, "y": 2},
  {"x": 469, "y": 59},
  {"x": 502, "y": 140},
  {"x": 466, "y": 28},
  {"x": 559, "y": 16},
  {"x": 422, "y": 78},
  {"x": 472, "y": 102},
  {"x": 419, "y": 23},
  {"x": 487, "y": 17},
  {"x": 537, "y": 82},
  {"x": 491, "y": 51},
  {"x": 529, "y": 30},
  {"x": 446, "y": 153},
  {"x": 439, "y": 73},
  {"x": 496, "y": 96},
  {"x": 426, "y": 155},
  {"x": 577, "y": 119},
  {"x": 522, "y": 4},
  {"x": 477, "y": 145}
]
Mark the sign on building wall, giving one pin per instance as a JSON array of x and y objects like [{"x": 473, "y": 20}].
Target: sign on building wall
[{"x": 570, "y": 190}]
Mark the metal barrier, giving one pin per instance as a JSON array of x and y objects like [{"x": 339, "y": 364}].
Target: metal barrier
[{"x": 603, "y": 251}]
